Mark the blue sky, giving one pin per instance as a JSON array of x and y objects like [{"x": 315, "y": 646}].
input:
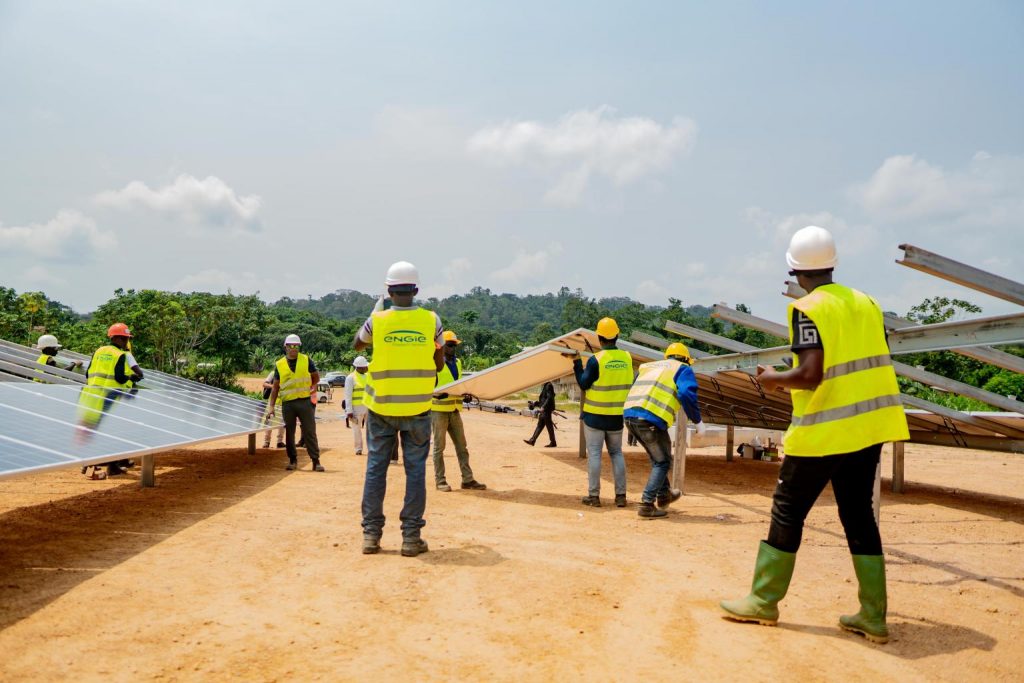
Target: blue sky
[{"x": 630, "y": 149}]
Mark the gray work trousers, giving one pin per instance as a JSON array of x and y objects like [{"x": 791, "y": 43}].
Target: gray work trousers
[
  {"x": 303, "y": 411},
  {"x": 449, "y": 423}
]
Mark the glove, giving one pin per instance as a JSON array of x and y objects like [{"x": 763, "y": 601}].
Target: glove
[
  {"x": 701, "y": 429},
  {"x": 379, "y": 306},
  {"x": 442, "y": 396}
]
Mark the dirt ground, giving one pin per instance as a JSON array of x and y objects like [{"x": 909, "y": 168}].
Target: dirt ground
[{"x": 232, "y": 568}]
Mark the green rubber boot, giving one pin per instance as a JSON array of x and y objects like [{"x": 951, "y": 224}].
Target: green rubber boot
[
  {"x": 870, "y": 620},
  {"x": 772, "y": 572}
]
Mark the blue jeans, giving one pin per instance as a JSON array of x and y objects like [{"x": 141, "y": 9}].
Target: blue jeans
[
  {"x": 659, "y": 448},
  {"x": 382, "y": 431},
  {"x": 596, "y": 438}
]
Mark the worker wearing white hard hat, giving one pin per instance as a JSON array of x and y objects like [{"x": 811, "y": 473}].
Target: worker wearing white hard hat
[
  {"x": 846, "y": 404},
  {"x": 407, "y": 355},
  {"x": 48, "y": 347},
  {"x": 355, "y": 407},
  {"x": 295, "y": 380}
]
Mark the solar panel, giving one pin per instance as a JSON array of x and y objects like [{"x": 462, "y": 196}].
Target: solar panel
[{"x": 45, "y": 426}]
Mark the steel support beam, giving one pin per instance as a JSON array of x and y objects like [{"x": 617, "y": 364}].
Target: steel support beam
[
  {"x": 943, "y": 411},
  {"x": 148, "y": 478},
  {"x": 679, "y": 459},
  {"x": 986, "y": 354},
  {"x": 660, "y": 343},
  {"x": 730, "y": 439},
  {"x": 708, "y": 337},
  {"x": 962, "y": 274},
  {"x": 897, "y": 467},
  {"x": 1003, "y": 329},
  {"x": 252, "y": 444},
  {"x": 984, "y": 443},
  {"x": 918, "y": 375}
]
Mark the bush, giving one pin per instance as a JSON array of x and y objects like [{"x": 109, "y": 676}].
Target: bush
[{"x": 1007, "y": 383}]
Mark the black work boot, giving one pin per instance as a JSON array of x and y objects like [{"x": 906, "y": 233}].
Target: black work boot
[
  {"x": 592, "y": 501},
  {"x": 666, "y": 498},
  {"x": 411, "y": 547},
  {"x": 620, "y": 500},
  {"x": 292, "y": 465},
  {"x": 648, "y": 511},
  {"x": 371, "y": 545},
  {"x": 317, "y": 467}
]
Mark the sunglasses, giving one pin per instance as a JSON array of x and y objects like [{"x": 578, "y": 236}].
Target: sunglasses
[{"x": 293, "y": 346}]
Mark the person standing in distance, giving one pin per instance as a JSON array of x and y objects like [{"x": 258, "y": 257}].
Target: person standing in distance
[
  {"x": 660, "y": 389},
  {"x": 446, "y": 418},
  {"x": 846, "y": 404},
  {"x": 606, "y": 379},
  {"x": 355, "y": 408},
  {"x": 295, "y": 380},
  {"x": 407, "y": 356}
]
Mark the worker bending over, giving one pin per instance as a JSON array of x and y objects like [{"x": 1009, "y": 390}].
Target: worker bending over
[
  {"x": 660, "y": 389},
  {"x": 846, "y": 404},
  {"x": 48, "y": 347}
]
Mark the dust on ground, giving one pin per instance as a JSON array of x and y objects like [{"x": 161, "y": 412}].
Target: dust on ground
[{"x": 232, "y": 568}]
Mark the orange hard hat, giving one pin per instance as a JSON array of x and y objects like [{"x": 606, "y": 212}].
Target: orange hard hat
[{"x": 119, "y": 330}]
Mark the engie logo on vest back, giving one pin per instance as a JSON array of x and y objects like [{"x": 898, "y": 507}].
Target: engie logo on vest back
[
  {"x": 404, "y": 337},
  {"x": 616, "y": 365}
]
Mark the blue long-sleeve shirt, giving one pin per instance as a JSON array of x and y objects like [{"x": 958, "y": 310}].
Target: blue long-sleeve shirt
[
  {"x": 686, "y": 392},
  {"x": 586, "y": 378}
]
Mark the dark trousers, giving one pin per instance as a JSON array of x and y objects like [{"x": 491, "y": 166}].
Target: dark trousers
[
  {"x": 300, "y": 410},
  {"x": 544, "y": 420},
  {"x": 801, "y": 481}
]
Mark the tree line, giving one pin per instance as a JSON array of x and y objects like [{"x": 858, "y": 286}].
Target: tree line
[{"x": 214, "y": 337}]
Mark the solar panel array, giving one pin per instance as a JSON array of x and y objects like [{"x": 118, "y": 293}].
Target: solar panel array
[{"x": 66, "y": 423}]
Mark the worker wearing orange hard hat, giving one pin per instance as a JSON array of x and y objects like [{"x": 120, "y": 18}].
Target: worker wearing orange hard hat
[{"x": 446, "y": 419}]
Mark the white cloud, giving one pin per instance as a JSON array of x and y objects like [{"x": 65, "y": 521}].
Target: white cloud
[
  {"x": 201, "y": 202},
  {"x": 850, "y": 239},
  {"x": 584, "y": 144},
  {"x": 43, "y": 276},
  {"x": 219, "y": 281},
  {"x": 989, "y": 191},
  {"x": 456, "y": 268},
  {"x": 69, "y": 235},
  {"x": 527, "y": 266},
  {"x": 651, "y": 292}
]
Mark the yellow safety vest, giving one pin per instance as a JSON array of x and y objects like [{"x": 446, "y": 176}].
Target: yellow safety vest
[
  {"x": 93, "y": 403},
  {"x": 608, "y": 394},
  {"x": 402, "y": 372},
  {"x": 358, "y": 387},
  {"x": 452, "y": 403},
  {"x": 858, "y": 401},
  {"x": 101, "y": 368},
  {"x": 42, "y": 360},
  {"x": 294, "y": 384},
  {"x": 655, "y": 390}
]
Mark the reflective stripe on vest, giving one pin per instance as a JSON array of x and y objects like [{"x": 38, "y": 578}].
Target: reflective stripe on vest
[
  {"x": 452, "y": 403},
  {"x": 358, "y": 387},
  {"x": 294, "y": 384},
  {"x": 609, "y": 392},
  {"x": 101, "y": 368},
  {"x": 858, "y": 401},
  {"x": 402, "y": 372},
  {"x": 655, "y": 390}
]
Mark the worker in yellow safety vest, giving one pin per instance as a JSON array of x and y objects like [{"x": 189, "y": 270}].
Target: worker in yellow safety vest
[
  {"x": 606, "y": 381},
  {"x": 846, "y": 404},
  {"x": 111, "y": 372},
  {"x": 48, "y": 347},
  {"x": 295, "y": 380},
  {"x": 661, "y": 389},
  {"x": 446, "y": 418},
  {"x": 407, "y": 356},
  {"x": 355, "y": 405}
]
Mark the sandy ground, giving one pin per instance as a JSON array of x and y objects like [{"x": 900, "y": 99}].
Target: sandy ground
[{"x": 232, "y": 568}]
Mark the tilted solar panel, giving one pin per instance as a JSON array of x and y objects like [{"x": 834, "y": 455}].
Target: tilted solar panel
[{"x": 44, "y": 426}]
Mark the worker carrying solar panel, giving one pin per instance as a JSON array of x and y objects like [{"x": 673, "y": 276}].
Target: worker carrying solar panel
[
  {"x": 111, "y": 371},
  {"x": 295, "y": 380},
  {"x": 48, "y": 347}
]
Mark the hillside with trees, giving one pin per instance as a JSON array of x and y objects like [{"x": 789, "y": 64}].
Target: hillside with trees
[{"x": 213, "y": 337}]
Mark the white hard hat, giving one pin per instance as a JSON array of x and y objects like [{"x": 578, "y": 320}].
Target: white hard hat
[
  {"x": 48, "y": 341},
  {"x": 811, "y": 248},
  {"x": 292, "y": 339},
  {"x": 402, "y": 273},
  {"x": 360, "y": 362}
]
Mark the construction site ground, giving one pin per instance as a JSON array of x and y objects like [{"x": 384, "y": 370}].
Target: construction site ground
[{"x": 232, "y": 568}]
